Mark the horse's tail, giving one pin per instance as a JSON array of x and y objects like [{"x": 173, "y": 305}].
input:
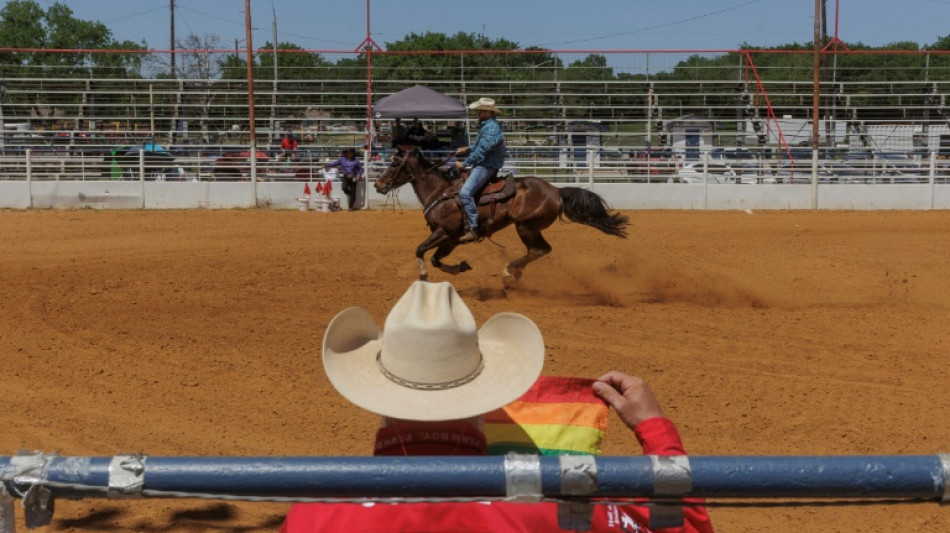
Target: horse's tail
[{"x": 586, "y": 207}]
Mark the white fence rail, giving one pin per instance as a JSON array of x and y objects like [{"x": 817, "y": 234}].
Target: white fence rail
[
  {"x": 75, "y": 180},
  {"x": 142, "y": 194}
]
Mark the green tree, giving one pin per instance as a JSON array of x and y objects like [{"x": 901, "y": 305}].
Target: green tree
[
  {"x": 293, "y": 63},
  {"x": 24, "y": 24},
  {"x": 481, "y": 60},
  {"x": 54, "y": 44}
]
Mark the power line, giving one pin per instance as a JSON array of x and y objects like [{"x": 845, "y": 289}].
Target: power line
[
  {"x": 146, "y": 12},
  {"x": 209, "y": 15},
  {"x": 183, "y": 20},
  {"x": 241, "y": 24},
  {"x": 648, "y": 28}
]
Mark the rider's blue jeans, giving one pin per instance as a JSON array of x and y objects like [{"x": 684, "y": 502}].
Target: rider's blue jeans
[{"x": 476, "y": 178}]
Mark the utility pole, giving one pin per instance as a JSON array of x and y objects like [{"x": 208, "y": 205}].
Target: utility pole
[
  {"x": 824, "y": 22},
  {"x": 172, "y": 37}
]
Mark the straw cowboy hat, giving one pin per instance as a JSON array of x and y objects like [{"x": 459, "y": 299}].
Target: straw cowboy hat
[
  {"x": 430, "y": 363},
  {"x": 484, "y": 104}
]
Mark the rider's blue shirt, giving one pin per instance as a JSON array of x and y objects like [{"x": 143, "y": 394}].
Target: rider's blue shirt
[{"x": 489, "y": 148}]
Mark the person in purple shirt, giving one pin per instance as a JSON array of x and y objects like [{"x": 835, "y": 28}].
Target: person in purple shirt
[
  {"x": 352, "y": 171},
  {"x": 484, "y": 157}
]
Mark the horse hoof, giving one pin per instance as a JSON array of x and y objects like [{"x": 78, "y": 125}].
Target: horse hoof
[
  {"x": 514, "y": 276},
  {"x": 423, "y": 277},
  {"x": 464, "y": 267}
]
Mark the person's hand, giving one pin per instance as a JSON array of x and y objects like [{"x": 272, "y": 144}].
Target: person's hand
[
  {"x": 461, "y": 150},
  {"x": 630, "y": 396},
  {"x": 459, "y": 165}
]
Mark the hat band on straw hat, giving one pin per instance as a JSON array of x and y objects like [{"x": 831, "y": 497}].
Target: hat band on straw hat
[{"x": 429, "y": 386}]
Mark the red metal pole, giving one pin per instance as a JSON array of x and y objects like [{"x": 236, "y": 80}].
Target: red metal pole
[
  {"x": 815, "y": 78},
  {"x": 250, "y": 94},
  {"x": 369, "y": 87}
]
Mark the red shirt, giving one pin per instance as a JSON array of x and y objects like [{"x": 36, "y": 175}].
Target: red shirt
[
  {"x": 658, "y": 436},
  {"x": 288, "y": 143}
]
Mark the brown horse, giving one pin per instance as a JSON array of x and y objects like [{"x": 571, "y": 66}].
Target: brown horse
[{"x": 535, "y": 205}]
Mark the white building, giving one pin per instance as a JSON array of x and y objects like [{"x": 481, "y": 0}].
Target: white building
[{"x": 690, "y": 135}]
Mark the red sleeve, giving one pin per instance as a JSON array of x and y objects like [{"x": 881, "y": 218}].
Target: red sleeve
[{"x": 658, "y": 436}]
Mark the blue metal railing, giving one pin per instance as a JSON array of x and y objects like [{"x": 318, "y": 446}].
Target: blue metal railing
[
  {"x": 666, "y": 480},
  {"x": 922, "y": 477}
]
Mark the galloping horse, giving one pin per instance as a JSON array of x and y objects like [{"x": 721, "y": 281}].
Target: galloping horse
[{"x": 535, "y": 205}]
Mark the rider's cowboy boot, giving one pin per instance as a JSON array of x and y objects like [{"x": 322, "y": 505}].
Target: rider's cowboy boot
[{"x": 470, "y": 236}]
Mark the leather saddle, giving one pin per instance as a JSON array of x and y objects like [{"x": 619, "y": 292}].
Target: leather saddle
[{"x": 497, "y": 188}]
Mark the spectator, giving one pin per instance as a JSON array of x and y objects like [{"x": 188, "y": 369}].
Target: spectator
[
  {"x": 431, "y": 374},
  {"x": 485, "y": 157},
  {"x": 400, "y": 133},
  {"x": 417, "y": 132},
  {"x": 352, "y": 170},
  {"x": 288, "y": 147},
  {"x": 458, "y": 137}
]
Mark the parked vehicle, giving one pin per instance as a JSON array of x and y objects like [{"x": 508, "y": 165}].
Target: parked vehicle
[
  {"x": 236, "y": 166},
  {"x": 653, "y": 164},
  {"x": 719, "y": 172},
  {"x": 733, "y": 154},
  {"x": 882, "y": 167},
  {"x": 800, "y": 170},
  {"x": 155, "y": 160}
]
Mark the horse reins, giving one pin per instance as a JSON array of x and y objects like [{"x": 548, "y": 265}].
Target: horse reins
[
  {"x": 411, "y": 178},
  {"x": 444, "y": 161},
  {"x": 442, "y": 198},
  {"x": 428, "y": 169}
]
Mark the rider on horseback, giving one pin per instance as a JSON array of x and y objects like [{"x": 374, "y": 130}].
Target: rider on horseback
[{"x": 485, "y": 157}]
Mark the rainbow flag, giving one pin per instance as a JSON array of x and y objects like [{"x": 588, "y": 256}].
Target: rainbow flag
[{"x": 556, "y": 416}]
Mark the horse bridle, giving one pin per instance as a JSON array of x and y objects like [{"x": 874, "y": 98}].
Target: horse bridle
[{"x": 398, "y": 170}]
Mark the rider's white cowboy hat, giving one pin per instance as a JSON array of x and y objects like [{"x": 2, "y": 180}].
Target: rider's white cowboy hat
[
  {"x": 484, "y": 104},
  {"x": 430, "y": 362}
]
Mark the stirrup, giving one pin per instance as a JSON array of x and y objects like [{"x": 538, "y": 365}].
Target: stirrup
[{"x": 470, "y": 236}]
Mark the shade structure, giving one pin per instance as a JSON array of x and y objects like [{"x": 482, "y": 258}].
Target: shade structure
[{"x": 418, "y": 101}]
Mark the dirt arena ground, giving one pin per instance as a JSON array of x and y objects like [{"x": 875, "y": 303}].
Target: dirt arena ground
[{"x": 198, "y": 333}]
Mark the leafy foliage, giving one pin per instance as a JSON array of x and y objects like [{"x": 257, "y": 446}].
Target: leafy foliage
[
  {"x": 52, "y": 43},
  {"x": 24, "y": 24}
]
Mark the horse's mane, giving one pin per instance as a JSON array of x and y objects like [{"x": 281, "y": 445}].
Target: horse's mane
[
  {"x": 423, "y": 160},
  {"x": 430, "y": 166}
]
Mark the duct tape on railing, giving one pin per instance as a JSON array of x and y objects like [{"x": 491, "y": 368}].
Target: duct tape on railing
[
  {"x": 523, "y": 478},
  {"x": 7, "y": 516},
  {"x": 671, "y": 478},
  {"x": 126, "y": 476},
  {"x": 578, "y": 478},
  {"x": 945, "y": 462},
  {"x": 30, "y": 471}
]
